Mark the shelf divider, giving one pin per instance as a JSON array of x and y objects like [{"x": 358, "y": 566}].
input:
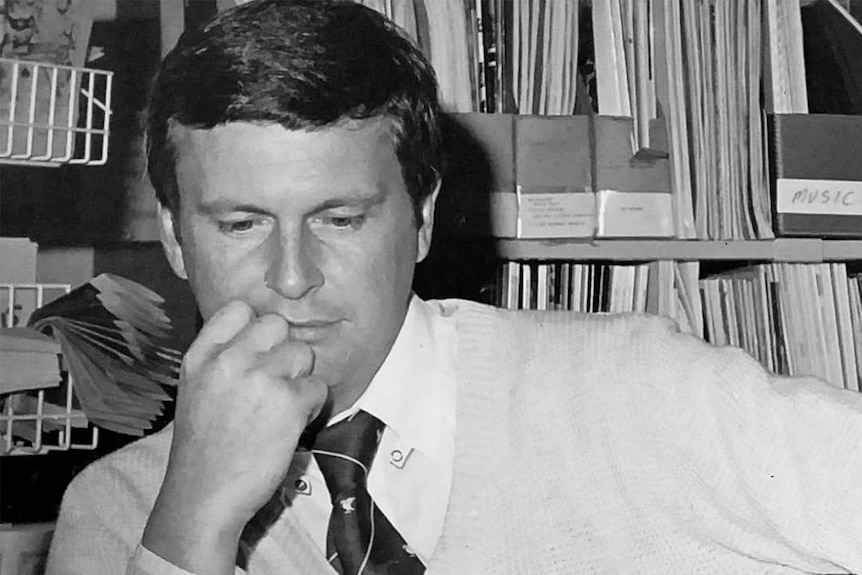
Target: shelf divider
[{"x": 779, "y": 250}]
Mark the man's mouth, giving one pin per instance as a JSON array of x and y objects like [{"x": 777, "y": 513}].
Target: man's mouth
[{"x": 311, "y": 331}]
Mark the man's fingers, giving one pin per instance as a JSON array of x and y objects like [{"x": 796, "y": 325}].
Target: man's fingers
[
  {"x": 262, "y": 334},
  {"x": 288, "y": 360},
  {"x": 222, "y": 327},
  {"x": 237, "y": 325},
  {"x": 241, "y": 342},
  {"x": 318, "y": 393}
]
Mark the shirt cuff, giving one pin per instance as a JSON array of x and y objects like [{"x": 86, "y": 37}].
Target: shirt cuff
[{"x": 145, "y": 562}]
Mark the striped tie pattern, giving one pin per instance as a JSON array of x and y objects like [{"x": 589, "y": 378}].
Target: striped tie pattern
[{"x": 360, "y": 539}]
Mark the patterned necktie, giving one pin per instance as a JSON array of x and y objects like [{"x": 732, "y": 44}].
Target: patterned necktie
[{"x": 359, "y": 540}]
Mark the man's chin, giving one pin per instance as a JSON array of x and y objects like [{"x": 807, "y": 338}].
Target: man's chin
[{"x": 343, "y": 390}]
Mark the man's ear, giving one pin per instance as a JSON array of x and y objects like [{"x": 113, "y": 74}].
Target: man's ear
[
  {"x": 170, "y": 242},
  {"x": 427, "y": 228}
]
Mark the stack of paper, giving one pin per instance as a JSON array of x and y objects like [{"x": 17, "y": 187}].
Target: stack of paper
[
  {"x": 796, "y": 319},
  {"x": 722, "y": 75},
  {"x": 670, "y": 93},
  {"x": 695, "y": 66},
  {"x": 544, "y": 56},
  {"x": 785, "y": 89},
  {"x": 28, "y": 360},
  {"x": 509, "y": 56},
  {"x": 108, "y": 331},
  {"x": 663, "y": 287},
  {"x": 18, "y": 265}
]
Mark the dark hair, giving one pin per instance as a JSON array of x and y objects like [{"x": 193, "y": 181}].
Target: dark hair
[{"x": 303, "y": 64}]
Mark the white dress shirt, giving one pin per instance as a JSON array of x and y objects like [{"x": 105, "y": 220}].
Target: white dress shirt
[{"x": 413, "y": 394}]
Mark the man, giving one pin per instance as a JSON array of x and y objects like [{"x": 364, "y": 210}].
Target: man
[{"x": 294, "y": 146}]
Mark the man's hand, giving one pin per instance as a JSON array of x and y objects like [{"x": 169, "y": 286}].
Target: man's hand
[{"x": 245, "y": 396}]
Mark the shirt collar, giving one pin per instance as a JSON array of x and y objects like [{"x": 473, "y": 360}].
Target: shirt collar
[{"x": 407, "y": 393}]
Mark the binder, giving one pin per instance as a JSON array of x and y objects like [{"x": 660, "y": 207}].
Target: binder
[
  {"x": 553, "y": 165},
  {"x": 634, "y": 192},
  {"x": 816, "y": 174}
]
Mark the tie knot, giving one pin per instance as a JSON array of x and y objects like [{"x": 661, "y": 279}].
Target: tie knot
[{"x": 344, "y": 451}]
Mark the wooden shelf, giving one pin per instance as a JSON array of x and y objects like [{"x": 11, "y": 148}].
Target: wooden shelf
[{"x": 779, "y": 250}]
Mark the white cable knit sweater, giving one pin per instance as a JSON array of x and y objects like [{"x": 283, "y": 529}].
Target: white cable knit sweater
[{"x": 584, "y": 444}]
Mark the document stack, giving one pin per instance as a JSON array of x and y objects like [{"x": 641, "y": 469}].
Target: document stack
[
  {"x": 108, "y": 330},
  {"x": 29, "y": 359},
  {"x": 87, "y": 360}
]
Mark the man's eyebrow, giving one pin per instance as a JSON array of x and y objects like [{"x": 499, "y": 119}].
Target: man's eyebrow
[
  {"x": 363, "y": 201},
  {"x": 227, "y": 206}
]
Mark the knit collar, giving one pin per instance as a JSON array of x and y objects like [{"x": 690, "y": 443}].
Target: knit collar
[{"x": 484, "y": 370}]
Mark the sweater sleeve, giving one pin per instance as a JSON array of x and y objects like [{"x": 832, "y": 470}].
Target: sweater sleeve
[
  {"x": 92, "y": 535},
  {"x": 145, "y": 562},
  {"x": 766, "y": 465},
  {"x": 105, "y": 509},
  {"x": 89, "y": 539}
]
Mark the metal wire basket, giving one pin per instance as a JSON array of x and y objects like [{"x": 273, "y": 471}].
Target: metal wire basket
[
  {"x": 52, "y": 114},
  {"x": 40, "y": 421}
]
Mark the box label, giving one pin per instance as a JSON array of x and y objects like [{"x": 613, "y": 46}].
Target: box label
[
  {"x": 828, "y": 197},
  {"x": 556, "y": 214},
  {"x": 635, "y": 214}
]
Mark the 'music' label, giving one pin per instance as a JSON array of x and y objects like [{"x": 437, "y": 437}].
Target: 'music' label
[{"x": 833, "y": 197}]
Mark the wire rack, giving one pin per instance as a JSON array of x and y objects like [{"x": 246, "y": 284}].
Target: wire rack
[
  {"x": 30, "y": 424},
  {"x": 52, "y": 114}
]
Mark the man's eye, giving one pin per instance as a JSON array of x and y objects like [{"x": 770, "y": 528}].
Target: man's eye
[
  {"x": 237, "y": 226},
  {"x": 344, "y": 222}
]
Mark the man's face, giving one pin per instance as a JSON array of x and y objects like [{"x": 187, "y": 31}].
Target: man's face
[{"x": 314, "y": 226}]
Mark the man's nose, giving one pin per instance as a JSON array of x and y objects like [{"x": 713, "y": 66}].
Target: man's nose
[{"x": 294, "y": 268}]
